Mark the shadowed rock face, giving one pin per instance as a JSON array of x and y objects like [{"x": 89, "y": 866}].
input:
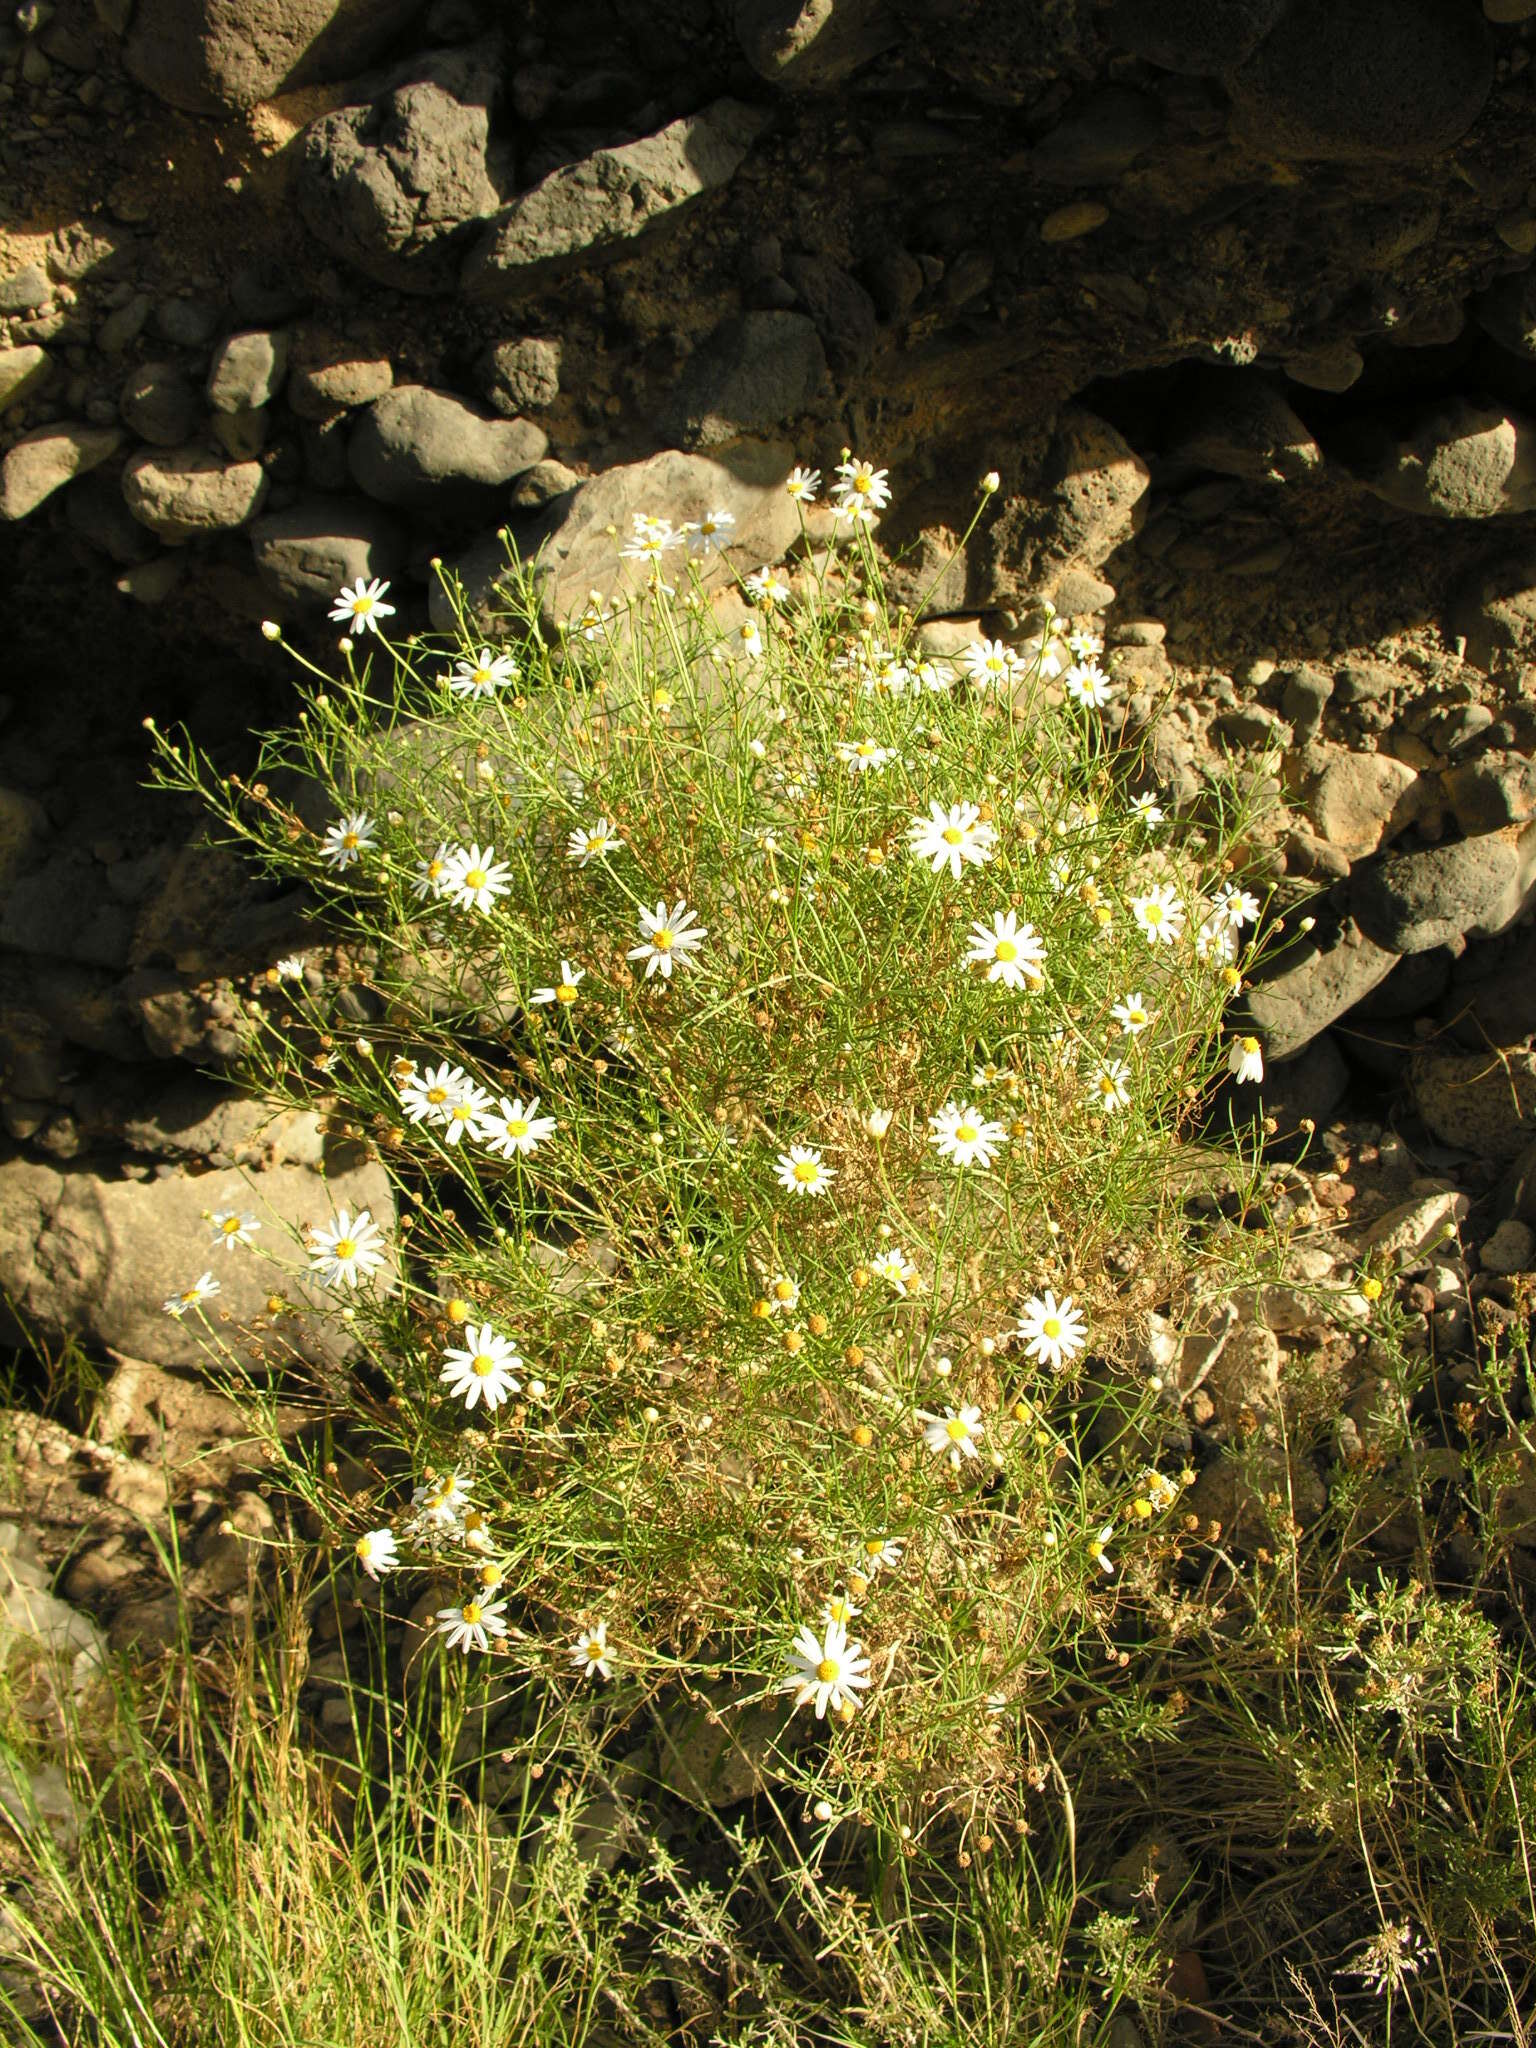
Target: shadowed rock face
[{"x": 208, "y": 56}]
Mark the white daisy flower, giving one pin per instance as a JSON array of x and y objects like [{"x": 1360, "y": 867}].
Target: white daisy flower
[
  {"x": 802, "y": 1172},
  {"x": 1098, "y": 1546},
  {"x": 483, "y": 1369},
  {"x": 1218, "y": 941},
  {"x": 474, "y": 878},
  {"x": 895, "y": 1269},
  {"x": 428, "y": 1098},
  {"x": 1012, "y": 953},
  {"x": 879, "y": 1553},
  {"x": 861, "y": 491},
  {"x": 937, "y": 677},
  {"x": 1147, "y": 808},
  {"x": 441, "y": 1501},
  {"x": 347, "y": 1250},
  {"x": 515, "y": 1128},
  {"x": 471, "y": 1626},
  {"x": 592, "y": 842},
  {"x": 1159, "y": 914},
  {"x": 347, "y": 840},
  {"x": 1085, "y": 643},
  {"x": 705, "y": 535},
  {"x": 377, "y": 1552},
  {"x": 650, "y": 538},
  {"x": 428, "y": 879},
  {"x": 882, "y": 672},
  {"x": 840, "y": 1608},
  {"x": 878, "y": 1121},
  {"x": 1245, "y": 1062},
  {"x": 767, "y": 586},
  {"x": 991, "y": 664},
  {"x": 1087, "y": 684},
  {"x": 826, "y": 1671},
  {"x": 590, "y": 1654},
  {"x": 668, "y": 938},
  {"x": 783, "y": 1294},
  {"x": 465, "y": 1114},
  {"x": 1237, "y": 906},
  {"x": 961, "y": 1133},
  {"x": 191, "y": 1297},
  {"x": 745, "y": 639},
  {"x": 802, "y": 484},
  {"x": 484, "y": 675},
  {"x": 951, "y": 838},
  {"x": 1110, "y": 1089},
  {"x": 231, "y": 1228},
  {"x": 1132, "y": 1015},
  {"x": 290, "y": 967},
  {"x": 859, "y": 757},
  {"x": 953, "y": 1434},
  {"x": 361, "y": 606},
  {"x": 1052, "y": 1331},
  {"x": 565, "y": 989}
]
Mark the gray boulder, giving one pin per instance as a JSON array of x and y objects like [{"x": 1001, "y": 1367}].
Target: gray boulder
[
  {"x": 157, "y": 401},
  {"x": 809, "y": 45},
  {"x": 754, "y": 373},
  {"x": 417, "y": 447},
  {"x": 22, "y": 370},
  {"x": 394, "y": 188},
  {"x": 43, "y": 461},
  {"x": 520, "y": 376},
  {"x": 206, "y": 56},
  {"x": 247, "y": 370},
  {"x": 577, "y": 542},
  {"x": 306, "y": 552},
  {"x": 1376, "y": 78},
  {"x": 1435, "y": 895},
  {"x": 592, "y": 211},
  {"x": 328, "y": 375},
  {"x": 1474, "y": 1101},
  {"x": 190, "y": 492},
  {"x": 1460, "y": 462},
  {"x": 1314, "y": 982},
  {"x": 85, "y": 1256}
]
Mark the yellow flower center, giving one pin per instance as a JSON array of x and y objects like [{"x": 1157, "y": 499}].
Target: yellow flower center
[
  {"x": 862, "y": 481},
  {"x": 517, "y": 1127},
  {"x": 482, "y": 1364},
  {"x": 874, "y": 1548},
  {"x": 346, "y": 1247},
  {"x": 461, "y": 1112},
  {"x": 1153, "y": 913},
  {"x": 967, "y": 1133},
  {"x": 1052, "y": 1327},
  {"x": 783, "y": 1290},
  {"x": 806, "y": 1171},
  {"x": 1005, "y": 950},
  {"x": 838, "y": 1610},
  {"x": 1108, "y": 1084},
  {"x": 436, "y": 1095},
  {"x": 349, "y": 839},
  {"x": 471, "y": 1611},
  {"x": 956, "y": 1430},
  {"x": 361, "y": 606},
  {"x": 827, "y": 1670},
  {"x": 566, "y": 992},
  {"x": 474, "y": 878},
  {"x": 952, "y": 835},
  {"x": 1249, "y": 1045},
  {"x": 1136, "y": 1016},
  {"x": 230, "y": 1226},
  {"x": 482, "y": 675},
  {"x": 661, "y": 942}
]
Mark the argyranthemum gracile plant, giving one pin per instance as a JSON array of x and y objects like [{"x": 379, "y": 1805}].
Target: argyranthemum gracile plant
[{"x": 779, "y": 1036}]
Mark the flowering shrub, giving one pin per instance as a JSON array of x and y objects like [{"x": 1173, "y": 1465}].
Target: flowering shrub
[{"x": 780, "y": 1036}]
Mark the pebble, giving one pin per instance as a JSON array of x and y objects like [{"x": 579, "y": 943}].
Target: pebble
[
  {"x": 1080, "y": 217},
  {"x": 25, "y": 290},
  {"x": 41, "y": 462}
]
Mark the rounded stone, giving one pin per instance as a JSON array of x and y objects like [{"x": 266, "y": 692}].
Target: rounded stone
[
  {"x": 414, "y": 444},
  {"x": 1378, "y": 78},
  {"x": 188, "y": 492},
  {"x": 1434, "y": 895},
  {"x": 159, "y": 404}
]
